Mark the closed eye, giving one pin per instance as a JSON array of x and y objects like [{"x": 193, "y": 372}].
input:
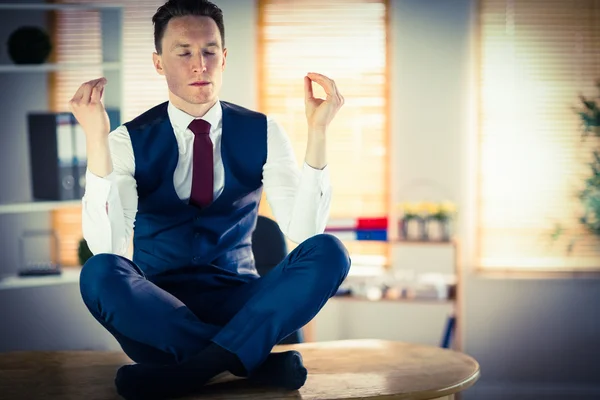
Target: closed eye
[{"x": 205, "y": 53}]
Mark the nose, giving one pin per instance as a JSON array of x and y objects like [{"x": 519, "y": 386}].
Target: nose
[{"x": 198, "y": 63}]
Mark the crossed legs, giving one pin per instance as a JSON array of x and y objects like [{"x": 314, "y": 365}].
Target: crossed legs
[{"x": 194, "y": 326}]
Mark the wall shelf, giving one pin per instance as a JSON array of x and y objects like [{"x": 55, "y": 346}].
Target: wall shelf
[
  {"x": 69, "y": 275},
  {"x": 422, "y": 242},
  {"x": 417, "y": 300},
  {"x": 37, "y": 206},
  {"x": 350, "y": 235},
  {"x": 50, "y": 67},
  {"x": 58, "y": 6}
]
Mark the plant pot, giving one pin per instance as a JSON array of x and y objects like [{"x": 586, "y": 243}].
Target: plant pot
[
  {"x": 438, "y": 230},
  {"x": 413, "y": 228}
]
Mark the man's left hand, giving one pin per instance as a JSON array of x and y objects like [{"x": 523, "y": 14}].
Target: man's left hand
[{"x": 319, "y": 112}]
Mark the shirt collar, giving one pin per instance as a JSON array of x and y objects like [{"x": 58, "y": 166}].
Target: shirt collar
[{"x": 181, "y": 120}]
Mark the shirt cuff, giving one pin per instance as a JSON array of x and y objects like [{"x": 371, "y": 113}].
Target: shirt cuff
[
  {"x": 97, "y": 189},
  {"x": 315, "y": 179}
]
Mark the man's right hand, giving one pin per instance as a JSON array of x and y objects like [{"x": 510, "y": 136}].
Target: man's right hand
[{"x": 87, "y": 107}]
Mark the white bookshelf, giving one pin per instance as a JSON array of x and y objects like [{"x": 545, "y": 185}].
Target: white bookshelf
[
  {"x": 109, "y": 64},
  {"x": 50, "y": 67},
  {"x": 36, "y": 206}
]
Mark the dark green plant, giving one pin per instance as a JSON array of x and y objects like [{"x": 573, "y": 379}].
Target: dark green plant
[
  {"x": 590, "y": 197},
  {"x": 589, "y": 114},
  {"x": 83, "y": 252}
]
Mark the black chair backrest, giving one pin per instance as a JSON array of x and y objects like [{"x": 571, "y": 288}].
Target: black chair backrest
[
  {"x": 268, "y": 245},
  {"x": 270, "y": 248}
]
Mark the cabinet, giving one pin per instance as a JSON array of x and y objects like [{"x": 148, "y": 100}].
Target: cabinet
[
  {"x": 28, "y": 88},
  {"x": 408, "y": 318}
]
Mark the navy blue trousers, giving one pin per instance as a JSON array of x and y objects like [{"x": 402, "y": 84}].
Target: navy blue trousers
[{"x": 168, "y": 319}]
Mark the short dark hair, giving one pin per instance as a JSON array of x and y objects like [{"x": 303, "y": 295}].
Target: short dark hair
[{"x": 180, "y": 8}]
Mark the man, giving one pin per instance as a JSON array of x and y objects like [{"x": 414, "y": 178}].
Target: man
[{"x": 186, "y": 178}]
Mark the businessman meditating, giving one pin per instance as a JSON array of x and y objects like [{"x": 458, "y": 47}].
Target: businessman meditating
[{"x": 186, "y": 178}]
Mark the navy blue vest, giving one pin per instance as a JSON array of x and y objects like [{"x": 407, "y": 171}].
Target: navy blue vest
[{"x": 170, "y": 233}]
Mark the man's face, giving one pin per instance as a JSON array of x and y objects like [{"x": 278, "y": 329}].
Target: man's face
[{"x": 192, "y": 60}]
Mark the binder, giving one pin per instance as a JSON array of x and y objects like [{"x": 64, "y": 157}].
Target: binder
[
  {"x": 79, "y": 156},
  {"x": 57, "y": 150},
  {"x": 374, "y": 234},
  {"x": 372, "y": 223}
]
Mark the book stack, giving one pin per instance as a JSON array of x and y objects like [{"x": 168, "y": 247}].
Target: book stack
[{"x": 361, "y": 228}]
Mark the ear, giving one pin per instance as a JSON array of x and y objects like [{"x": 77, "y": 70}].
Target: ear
[
  {"x": 157, "y": 61},
  {"x": 224, "y": 59}
]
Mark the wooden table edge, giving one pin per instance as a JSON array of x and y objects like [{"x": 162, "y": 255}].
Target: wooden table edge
[{"x": 459, "y": 387}]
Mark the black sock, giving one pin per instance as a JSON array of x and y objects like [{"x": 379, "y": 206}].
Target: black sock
[
  {"x": 140, "y": 381},
  {"x": 284, "y": 370}
]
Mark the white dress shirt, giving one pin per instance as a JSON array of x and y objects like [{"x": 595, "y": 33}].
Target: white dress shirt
[{"x": 300, "y": 199}]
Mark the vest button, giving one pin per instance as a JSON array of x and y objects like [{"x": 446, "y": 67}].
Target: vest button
[{"x": 197, "y": 235}]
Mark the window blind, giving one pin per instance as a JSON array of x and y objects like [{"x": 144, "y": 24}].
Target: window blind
[
  {"x": 346, "y": 41},
  {"x": 78, "y": 39},
  {"x": 536, "y": 57}
]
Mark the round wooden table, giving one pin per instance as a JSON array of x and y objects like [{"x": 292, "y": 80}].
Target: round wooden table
[{"x": 349, "y": 369}]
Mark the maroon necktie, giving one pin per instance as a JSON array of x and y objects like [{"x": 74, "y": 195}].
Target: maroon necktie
[{"x": 202, "y": 170}]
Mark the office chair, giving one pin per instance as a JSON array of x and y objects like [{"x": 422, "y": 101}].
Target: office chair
[{"x": 270, "y": 248}]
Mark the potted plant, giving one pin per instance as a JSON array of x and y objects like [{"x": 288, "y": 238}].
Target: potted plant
[
  {"x": 443, "y": 215},
  {"x": 83, "y": 252},
  {"x": 589, "y": 113},
  {"x": 430, "y": 229},
  {"x": 411, "y": 222},
  {"x": 426, "y": 220}
]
